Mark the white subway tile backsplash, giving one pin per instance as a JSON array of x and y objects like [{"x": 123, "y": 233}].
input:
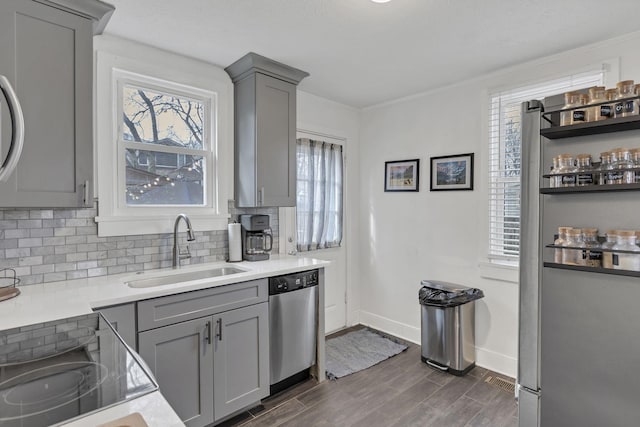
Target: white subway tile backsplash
[{"x": 46, "y": 245}]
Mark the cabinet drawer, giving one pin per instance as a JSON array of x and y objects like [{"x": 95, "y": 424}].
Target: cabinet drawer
[{"x": 164, "y": 311}]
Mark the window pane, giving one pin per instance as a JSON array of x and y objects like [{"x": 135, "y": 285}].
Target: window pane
[
  {"x": 158, "y": 178},
  {"x": 160, "y": 118}
]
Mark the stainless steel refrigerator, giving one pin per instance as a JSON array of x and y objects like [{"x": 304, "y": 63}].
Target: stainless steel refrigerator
[{"x": 579, "y": 327}]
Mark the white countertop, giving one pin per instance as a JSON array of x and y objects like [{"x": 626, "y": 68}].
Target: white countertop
[
  {"x": 56, "y": 300},
  {"x": 153, "y": 407}
]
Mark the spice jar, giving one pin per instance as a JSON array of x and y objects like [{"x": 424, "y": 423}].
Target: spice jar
[
  {"x": 608, "y": 109},
  {"x": 620, "y": 161},
  {"x": 570, "y": 251},
  {"x": 596, "y": 96},
  {"x": 553, "y": 179},
  {"x": 591, "y": 254},
  {"x": 607, "y": 255},
  {"x": 635, "y": 158},
  {"x": 605, "y": 160},
  {"x": 579, "y": 115},
  {"x": 560, "y": 241},
  {"x": 624, "y": 106},
  {"x": 630, "y": 258},
  {"x": 571, "y": 100},
  {"x": 584, "y": 169},
  {"x": 566, "y": 171}
]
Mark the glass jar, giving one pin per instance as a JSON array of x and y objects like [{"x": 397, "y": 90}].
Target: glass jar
[
  {"x": 597, "y": 94},
  {"x": 609, "y": 109},
  {"x": 562, "y": 237},
  {"x": 607, "y": 256},
  {"x": 579, "y": 115},
  {"x": 571, "y": 99},
  {"x": 605, "y": 160},
  {"x": 626, "y": 241},
  {"x": 635, "y": 158},
  {"x": 625, "y": 107},
  {"x": 571, "y": 251},
  {"x": 553, "y": 179},
  {"x": 566, "y": 171},
  {"x": 620, "y": 161},
  {"x": 584, "y": 169},
  {"x": 591, "y": 254}
]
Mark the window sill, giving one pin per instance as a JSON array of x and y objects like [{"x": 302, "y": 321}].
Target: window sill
[
  {"x": 158, "y": 224},
  {"x": 502, "y": 272}
]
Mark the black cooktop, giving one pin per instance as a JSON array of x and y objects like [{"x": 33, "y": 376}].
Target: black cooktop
[{"x": 55, "y": 371}]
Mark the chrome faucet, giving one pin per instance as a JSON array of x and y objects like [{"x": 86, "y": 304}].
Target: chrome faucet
[{"x": 177, "y": 255}]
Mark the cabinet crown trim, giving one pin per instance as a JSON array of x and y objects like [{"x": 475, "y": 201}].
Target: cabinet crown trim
[
  {"x": 254, "y": 63},
  {"x": 96, "y": 10}
]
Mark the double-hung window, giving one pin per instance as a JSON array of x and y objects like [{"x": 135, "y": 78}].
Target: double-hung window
[
  {"x": 163, "y": 140},
  {"x": 504, "y": 159}
]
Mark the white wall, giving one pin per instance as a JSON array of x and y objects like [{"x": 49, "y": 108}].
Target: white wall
[
  {"x": 322, "y": 116},
  {"x": 406, "y": 237}
]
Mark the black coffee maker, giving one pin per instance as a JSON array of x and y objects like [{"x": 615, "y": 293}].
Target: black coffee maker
[{"x": 257, "y": 239}]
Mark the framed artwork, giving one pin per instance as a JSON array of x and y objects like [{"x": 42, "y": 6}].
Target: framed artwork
[
  {"x": 402, "y": 175},
  {"x": 452, "y": 172}
]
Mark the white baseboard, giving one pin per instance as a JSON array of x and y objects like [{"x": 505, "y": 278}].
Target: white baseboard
[
  {"x": 497, "y": 362},
  {"x": 488, "y": 359},
  {"x": 400, "y": 330}
]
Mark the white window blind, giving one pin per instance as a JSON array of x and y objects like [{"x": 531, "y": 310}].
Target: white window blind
[{"x": 504, "y": 158}]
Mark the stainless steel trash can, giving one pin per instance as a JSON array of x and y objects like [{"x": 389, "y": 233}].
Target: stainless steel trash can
[{"x": 448, "y": 326}]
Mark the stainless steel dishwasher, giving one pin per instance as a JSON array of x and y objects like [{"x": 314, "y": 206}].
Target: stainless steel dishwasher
[{"x": 293, "y": 314}]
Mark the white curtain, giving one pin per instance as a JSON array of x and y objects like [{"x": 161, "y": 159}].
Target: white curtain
[{"x": 319, "y": 195}]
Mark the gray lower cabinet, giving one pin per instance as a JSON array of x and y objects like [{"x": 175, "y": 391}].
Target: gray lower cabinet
[
  {"x": 47, "y": 58},
  {"x": 210, "y": 367},
  {"x": 241, "y": 359},
  {"x": 181, "y": 358},
  {"x": 123, "y": 319}
]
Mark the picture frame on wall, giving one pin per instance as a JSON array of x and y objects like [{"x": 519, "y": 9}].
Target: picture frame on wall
[
  {"x": 402, "y": 175},
  {"x": 452, "y": 172}
]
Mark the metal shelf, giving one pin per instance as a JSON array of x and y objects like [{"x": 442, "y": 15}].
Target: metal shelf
[
  {"x": 591, "y": 189},
  {"x": 593, "y": 269},
  {"x": 593, "y": 249},
  {"x": 592, "y": 128}
]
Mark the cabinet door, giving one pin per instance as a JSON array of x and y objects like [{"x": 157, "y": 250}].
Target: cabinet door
[
  {"x": 123, "y": 319},
  {"x": 241, "y": 360},
  {"x": 276, "y": 142},
  {"x": 47, "y": 56},
  {"x": 181, "y": 358}
]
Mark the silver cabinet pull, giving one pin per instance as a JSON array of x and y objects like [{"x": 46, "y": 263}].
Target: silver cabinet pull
[
  {"x": 208, "y": 333},
  {"x": 86, "y": 193},
  {"x": 17, "y": 122},
  {"x": 261, "y": 196},
  {"x": 219, "y": 334}
]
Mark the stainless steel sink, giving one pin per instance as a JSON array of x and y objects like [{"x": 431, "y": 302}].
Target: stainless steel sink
[{"x": 183, "y": 277}]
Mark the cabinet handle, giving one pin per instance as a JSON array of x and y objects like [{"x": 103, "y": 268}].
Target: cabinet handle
[
  {"x": 17, "y": 123},
  {"x": 261, "y": 196},
  {"x": 86, "y": 193},
  {"x": 219, "y": 334},
  {"x": 208, "y": 335}
]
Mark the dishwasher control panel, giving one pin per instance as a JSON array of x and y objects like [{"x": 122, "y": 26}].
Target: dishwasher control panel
[{"x": 292, "y": 282}]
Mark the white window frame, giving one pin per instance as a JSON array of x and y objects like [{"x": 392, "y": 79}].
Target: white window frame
[
  {"x": 209, "y": 101},
  {"x": 121, "y": 61},
  {"x": 609, "y": 72}
]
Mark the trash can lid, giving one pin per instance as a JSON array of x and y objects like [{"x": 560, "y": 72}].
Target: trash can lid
[
  {"x": 444, "y": 294},
  {"x": 445, "y": 286}
]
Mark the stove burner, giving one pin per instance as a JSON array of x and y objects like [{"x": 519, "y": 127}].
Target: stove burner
[{"x": 48, "y": 388}]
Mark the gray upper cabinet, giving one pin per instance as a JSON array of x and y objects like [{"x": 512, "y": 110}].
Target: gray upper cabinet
[
  {"x": 47, "y": 58},
  {"x": 265, "y": 131},
  {"x": 240, "y": 361},
  {"x": 181, "y": 358}
]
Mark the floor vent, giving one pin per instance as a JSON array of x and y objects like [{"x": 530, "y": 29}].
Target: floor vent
[{"x": 504, "y": 384}]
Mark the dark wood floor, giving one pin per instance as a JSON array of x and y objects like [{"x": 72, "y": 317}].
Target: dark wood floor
[{"x": 401, "y": 391}]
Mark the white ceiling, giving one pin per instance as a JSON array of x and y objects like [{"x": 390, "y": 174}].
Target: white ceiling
[{"x": 362, "y": 53}]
